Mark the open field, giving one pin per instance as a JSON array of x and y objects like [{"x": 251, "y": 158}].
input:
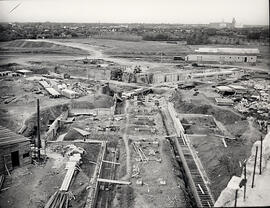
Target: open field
[{"x": 30, "y": 47}]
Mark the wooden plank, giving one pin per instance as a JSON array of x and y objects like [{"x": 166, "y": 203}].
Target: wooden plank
[
  {"x": 111, "y": 162},
  {"x": 52, "y": 198},
  {"x": 224, "y": 142},
  {"x": 114, "y": 181},
  {"x": 6, "y": 164},
  {"x": 63, "y": 201},
  {"x": 67, "y": 179}
]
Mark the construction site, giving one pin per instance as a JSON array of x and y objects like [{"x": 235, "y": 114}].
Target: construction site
[{"x": 83, "y": 128}]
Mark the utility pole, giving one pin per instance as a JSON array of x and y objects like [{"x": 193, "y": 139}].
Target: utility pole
[
  {"x": 261, "y": 155},
  {"x": 245, "y": 178},
  {"x": 235, "y": 199},
  {"x": 38, "y": 130}
]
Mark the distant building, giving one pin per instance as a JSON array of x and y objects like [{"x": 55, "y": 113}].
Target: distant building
[
  {"x": 223, "y": 24},
  {"x": 224, "y": 55}
]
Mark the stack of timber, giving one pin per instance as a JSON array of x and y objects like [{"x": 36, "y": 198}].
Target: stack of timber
[
  {"x": 71, "y": 166},
  {"x": 59, "y": 199}
]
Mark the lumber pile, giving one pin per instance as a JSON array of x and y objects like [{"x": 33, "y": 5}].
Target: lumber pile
[
  {"x": 71, "y": 166},
  {"x": 59, "y": 199}
]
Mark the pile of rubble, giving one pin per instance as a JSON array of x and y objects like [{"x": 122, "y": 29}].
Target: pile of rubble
[{"x": 77, "y": 87}]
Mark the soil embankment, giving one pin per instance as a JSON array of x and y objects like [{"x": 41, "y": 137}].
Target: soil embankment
[{"x": 220, "y": 162}]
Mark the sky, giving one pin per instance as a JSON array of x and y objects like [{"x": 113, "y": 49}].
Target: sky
[{"x": 249, "y": 12}]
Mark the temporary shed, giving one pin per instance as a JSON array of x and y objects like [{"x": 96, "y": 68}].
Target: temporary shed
[
  {"x": 14, "y": 150},
  {"x": 229, "y": 50},
  {"x": 83, "y": 133}
]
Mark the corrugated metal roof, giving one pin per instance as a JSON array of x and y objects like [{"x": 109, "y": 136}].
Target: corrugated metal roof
[
  {"x": 229, "y": 50},
  {"x": 205, "y": 74},
  {"x": 9, "y": 137}
]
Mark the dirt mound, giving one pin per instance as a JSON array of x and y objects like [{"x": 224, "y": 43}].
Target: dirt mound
[
  {"x": 98, "y": 101},
  {"x": 223, "y": 115},
  {"x": 73, "y": 135},
  {"x": 47, "y": 115},
  {"x": 6, "y": 120}
]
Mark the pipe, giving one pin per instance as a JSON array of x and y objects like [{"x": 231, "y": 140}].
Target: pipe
[
  {"x": 245, "y": 177},
  {"x": 261, "y": 155}
]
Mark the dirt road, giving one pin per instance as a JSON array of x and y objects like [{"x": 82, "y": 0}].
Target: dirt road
[{"x": 96, "y": 53}]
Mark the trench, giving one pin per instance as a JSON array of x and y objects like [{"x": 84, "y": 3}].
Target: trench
[{"x": 190, "y": 200}]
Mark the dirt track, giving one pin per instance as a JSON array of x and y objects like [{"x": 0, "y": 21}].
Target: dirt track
[
  {"x": 96, "y": 53},
  {"x": 128, "y": 165}
]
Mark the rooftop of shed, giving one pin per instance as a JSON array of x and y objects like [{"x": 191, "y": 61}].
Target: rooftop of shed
[
  {"x": 228, "y": 50},
  {"x": 8, "y": 137}
]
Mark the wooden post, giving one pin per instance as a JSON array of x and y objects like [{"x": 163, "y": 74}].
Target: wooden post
[
  {"x": 245, "y": 177},
  {"x": 261, "y": 155},
  {"x": 38, "y": 129},
  {"x": 235, "y": 200},
  {"x": 254, "y": 169}
]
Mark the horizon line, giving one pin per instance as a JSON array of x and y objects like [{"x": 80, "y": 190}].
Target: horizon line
[{"x": 125, "y": 23}]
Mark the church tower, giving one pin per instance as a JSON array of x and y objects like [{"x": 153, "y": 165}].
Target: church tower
[{"x": 233, "y": 22}]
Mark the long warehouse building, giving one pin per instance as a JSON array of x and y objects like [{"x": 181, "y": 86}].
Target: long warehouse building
[{"x": 224, "y": 55}]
